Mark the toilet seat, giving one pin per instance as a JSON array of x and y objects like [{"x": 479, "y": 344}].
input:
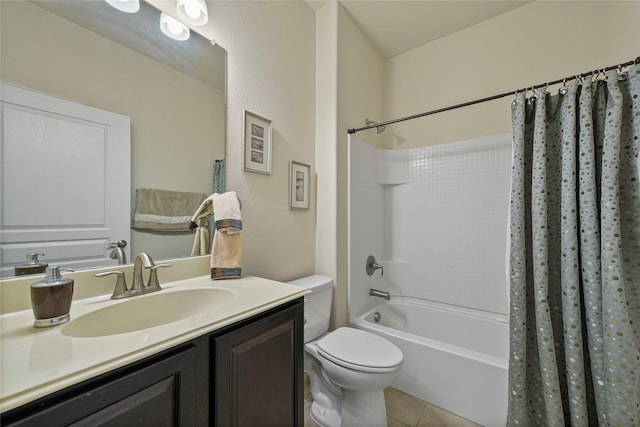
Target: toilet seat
[{"x": 360, "y": 350}]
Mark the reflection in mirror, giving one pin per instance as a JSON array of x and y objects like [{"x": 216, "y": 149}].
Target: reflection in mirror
[{"x": 173, "y": 92}]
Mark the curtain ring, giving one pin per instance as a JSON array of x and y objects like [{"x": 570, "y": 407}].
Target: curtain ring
[
  {"x": 563, "y": 90},
  {"x": 515, "y": 101},
  {"x": 622, "y": 75}
]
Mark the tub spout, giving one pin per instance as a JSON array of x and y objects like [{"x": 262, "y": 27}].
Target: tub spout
[{"x": 378, "y": 293}]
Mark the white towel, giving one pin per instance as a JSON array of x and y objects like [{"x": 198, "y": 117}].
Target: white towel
[
  {"x": 226, "y": 253},
  {"x": 226, "y": 212}
]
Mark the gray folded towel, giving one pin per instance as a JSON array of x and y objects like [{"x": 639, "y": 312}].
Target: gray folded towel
[{"x": 163, "y": 210}]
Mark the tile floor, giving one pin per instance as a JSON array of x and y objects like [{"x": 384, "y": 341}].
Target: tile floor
[{"x": 403, "y": 410}]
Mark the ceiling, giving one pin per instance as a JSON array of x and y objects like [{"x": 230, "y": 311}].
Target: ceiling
[{"x": 396, "y": 26}]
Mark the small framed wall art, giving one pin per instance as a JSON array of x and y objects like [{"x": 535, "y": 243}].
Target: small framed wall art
[
  {"x": 257, "y": 143},
  {"x": 299, "y": 187}
]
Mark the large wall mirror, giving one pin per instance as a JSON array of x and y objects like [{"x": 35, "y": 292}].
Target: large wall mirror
[{"x": 173, "y": 91}]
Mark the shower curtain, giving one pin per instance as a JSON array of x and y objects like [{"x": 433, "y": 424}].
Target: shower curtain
[{"x": 575, "y": 255}]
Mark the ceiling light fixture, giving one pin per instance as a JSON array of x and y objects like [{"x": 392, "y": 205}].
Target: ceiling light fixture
[
  {"x": 128, "y": 6},
  {"x": 173, "y": 28},
  {"x": 193, "y": 12}
]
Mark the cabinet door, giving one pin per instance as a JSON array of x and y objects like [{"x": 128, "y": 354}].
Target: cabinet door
[
  {"x": 161, "y": 394},
  {"x": 258, "y": 372}
]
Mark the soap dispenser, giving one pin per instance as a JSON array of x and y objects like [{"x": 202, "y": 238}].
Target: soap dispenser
[
  {"x": 31, "y": 266},
  {"x": 51, "y": 299}
]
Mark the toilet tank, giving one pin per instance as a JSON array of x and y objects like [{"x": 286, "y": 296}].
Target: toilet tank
[{"x": 317, "y": 305}]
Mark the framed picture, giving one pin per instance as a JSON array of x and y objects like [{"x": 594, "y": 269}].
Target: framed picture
[
  {"x": 299, "y": 187},
  {"x": 257, "y": 143}
]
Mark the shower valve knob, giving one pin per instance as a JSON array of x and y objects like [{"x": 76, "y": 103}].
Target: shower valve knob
[{"x": 372, "y": 266}]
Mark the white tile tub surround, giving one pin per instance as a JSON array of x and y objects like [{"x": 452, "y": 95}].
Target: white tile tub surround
[{"x": 435, "y": 217}]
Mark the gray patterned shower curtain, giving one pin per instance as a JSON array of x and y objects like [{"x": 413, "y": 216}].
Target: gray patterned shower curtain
[{"x": 575, "y": 255}]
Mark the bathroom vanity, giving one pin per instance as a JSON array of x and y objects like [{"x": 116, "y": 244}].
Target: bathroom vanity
[{"x": 239, "y": 362}]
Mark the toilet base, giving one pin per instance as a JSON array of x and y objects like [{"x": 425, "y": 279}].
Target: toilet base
[
  {"x": 324, "y": 417},
  {"x": 363, "y": 409},
  {"x": 359, "y": 409}
]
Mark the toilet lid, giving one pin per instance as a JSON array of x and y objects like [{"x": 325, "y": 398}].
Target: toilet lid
[{"x": 360, "y": 350}]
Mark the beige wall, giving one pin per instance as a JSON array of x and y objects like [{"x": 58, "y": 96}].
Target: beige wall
[
  {"x": 541, "y": 41},
  {"x": 349, "y": 90},
  {"x": 360, "y": 79},
  {"x": 326, "y": 148},
  {"x": 271, "y": 72}
]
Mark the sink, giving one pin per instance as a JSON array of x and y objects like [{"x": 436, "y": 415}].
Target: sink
[{"x": 146, "y": 311}]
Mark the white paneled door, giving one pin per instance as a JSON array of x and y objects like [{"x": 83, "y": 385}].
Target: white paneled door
[{"x": 65, "y": 181}]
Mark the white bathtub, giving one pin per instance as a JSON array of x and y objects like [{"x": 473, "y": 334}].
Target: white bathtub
[{"x": 454, "y": 358}]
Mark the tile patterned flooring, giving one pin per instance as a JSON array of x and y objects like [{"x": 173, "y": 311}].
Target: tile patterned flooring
[{"x": 403, "y": 410}]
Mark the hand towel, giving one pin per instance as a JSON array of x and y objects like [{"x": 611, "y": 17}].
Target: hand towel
[
  {"x": 163, "y": 210},
  {"x": 226, "y": 253}
]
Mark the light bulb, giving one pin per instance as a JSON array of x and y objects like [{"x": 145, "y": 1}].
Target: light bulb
[
  {"x": 173, "y": 28},
  {"x": 193, "y": 12},
  {"x": 128, "y": 6}
]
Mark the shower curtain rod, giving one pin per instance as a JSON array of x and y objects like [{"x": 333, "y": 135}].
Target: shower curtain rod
[{"x": 491, "y": 98}]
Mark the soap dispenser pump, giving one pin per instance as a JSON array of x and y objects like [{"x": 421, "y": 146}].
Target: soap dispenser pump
[
  {"x": 51, "y": 299},
  {"x": 31, "y": 266}
]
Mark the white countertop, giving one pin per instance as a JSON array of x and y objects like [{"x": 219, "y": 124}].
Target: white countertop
[{"x": 36, "y": 362}]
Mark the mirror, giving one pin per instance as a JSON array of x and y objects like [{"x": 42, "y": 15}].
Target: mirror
[{"x": 173, "y": 92}]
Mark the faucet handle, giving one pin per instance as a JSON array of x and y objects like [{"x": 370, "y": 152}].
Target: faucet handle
[
  {"x": 372, "y": 266},
  {"x": 119, "y": 244},
  {"x": 120, "y": 291},
  {"x": 154, "y": 284}
]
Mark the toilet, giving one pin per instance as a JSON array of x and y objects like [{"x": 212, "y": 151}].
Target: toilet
[{"x": 348, "y": 368}]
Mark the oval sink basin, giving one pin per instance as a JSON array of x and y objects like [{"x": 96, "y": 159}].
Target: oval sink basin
[{"x": 145, "y": 312}]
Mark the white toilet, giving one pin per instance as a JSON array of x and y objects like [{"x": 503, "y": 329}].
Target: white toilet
[{"x": 348, "y": 368}]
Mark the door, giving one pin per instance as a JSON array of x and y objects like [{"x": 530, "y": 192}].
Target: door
[{"x": 65, "y": 181}]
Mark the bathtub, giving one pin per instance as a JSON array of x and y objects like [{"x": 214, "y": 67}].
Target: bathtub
[{"x": 454, "y": 358}]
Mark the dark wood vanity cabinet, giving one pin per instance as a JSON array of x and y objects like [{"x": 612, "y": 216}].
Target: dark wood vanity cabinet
[
  {"x": 258, "y": 371},
  {"x": 247, "y": 374}
]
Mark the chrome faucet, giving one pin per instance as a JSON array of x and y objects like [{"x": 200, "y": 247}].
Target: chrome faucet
[
  {"x": 138, "y": 287},
  {"x": 117, "y": 251},
  {"x": 153, "y": 284},
  {"x": 378, "y": 293},
  {"x": 142, "y": 260}
]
